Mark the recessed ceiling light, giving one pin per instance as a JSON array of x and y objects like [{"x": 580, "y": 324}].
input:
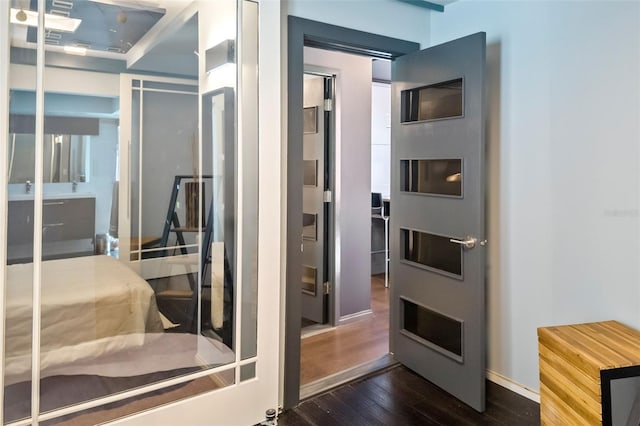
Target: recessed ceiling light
[
  {"x": 75, "y": 50},
  {"x": 51, "y": 22}
]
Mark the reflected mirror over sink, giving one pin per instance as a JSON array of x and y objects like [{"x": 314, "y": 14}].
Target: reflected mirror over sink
[
  {"x": 65, "y": 158},
  {"x": 71, "y": 122}
]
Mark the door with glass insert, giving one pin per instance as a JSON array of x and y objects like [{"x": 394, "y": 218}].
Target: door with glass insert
[
  {"x": 130, "y": 190},
  {"x": 437, "y": 226}
]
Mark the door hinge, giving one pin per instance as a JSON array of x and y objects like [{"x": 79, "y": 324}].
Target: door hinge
[
  {"x": 327, "y": 287},
  {"x": 327, "y": 196},
  {"x": 328, "y": 104}
]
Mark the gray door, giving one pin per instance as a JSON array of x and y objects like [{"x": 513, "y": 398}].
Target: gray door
[
  {"x": 313, "y": 206},
  {"x": 437, "y": 216}
]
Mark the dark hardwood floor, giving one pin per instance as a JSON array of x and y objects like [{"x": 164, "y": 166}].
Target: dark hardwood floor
[{"x": 400, "y": 397}]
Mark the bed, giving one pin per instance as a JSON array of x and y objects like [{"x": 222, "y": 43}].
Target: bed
[
  {"x": 101, "y": 334},
  {"x": 91, "y": 306}
]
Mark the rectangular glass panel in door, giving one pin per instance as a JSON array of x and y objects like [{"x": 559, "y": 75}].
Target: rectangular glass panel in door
[
  {"x": 433, "y": 102},
  {"x": 310, "y": 172},
  {"x": 310, "y": 120},
  {"x": 432, "y": 328},
  {"x": 169, "y": 208},
  {"x": 18, "y": 283},
  {"x": 248, "y": 150},
  {"x": 309, "y": 226},
  {"x": 309, "y": 280},
  {"x": 436, "y": 177},
  {"x": 102, "y": 332},
  {"x": 430, "y": 250},
  {"x": 220, "y": 263},
  {"x": 133, "y": 152},
  {"x": 108, "y": 328}
]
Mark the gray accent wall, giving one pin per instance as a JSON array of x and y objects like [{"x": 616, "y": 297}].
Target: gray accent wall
[{"x": 353, "y": 177}]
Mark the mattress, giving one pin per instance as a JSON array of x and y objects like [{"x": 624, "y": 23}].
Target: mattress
[{"x": 90, "y": 307}]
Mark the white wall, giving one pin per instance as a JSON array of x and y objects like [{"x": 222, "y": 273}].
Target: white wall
[
  {"x": 385, "y": 17},
  {"x": 563, "y": 135},
  {"x": 353, "y": 174},
  {"x": 381, "y": 138}
]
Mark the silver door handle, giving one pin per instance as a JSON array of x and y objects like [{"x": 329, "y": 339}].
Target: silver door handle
[{"x": 468, "y": 243}]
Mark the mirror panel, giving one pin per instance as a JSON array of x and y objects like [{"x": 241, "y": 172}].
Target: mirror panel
[{"x": 18, "y": 284}]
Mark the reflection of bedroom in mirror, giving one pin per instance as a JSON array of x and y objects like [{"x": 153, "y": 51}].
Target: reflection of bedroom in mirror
[{"x": 135, "y": 289}]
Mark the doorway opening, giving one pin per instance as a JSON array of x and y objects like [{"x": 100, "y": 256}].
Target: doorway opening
[
  {"x": 345, "y": 198},
  {"x": 301, "y": 33},
  {"x": 436, "y": 326}
]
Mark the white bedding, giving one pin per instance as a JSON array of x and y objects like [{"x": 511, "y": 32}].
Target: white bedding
[{"x": 91, "y": 306}]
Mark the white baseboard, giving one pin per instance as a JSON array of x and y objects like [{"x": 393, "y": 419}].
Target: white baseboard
[{"x": 499, "y": 379}]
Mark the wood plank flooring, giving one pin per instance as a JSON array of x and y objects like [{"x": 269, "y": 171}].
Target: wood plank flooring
[
  {"x": 400, "y": 397},
  {"x": 348, "y": 345}
]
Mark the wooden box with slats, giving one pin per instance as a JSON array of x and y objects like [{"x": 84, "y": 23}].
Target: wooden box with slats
[{"x": 577, "y": 364}]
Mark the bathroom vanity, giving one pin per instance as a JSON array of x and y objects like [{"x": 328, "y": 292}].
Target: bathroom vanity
[{"x": 68, "y": 227}]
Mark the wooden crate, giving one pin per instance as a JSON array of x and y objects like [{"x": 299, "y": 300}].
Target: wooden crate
[{"x": 577, "y": 363}]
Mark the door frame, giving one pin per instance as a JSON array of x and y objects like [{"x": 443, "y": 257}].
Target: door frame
[{"x": 304, "y": 32}]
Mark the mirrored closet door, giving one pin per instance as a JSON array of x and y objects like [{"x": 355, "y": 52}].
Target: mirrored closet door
[{"x": 131, "y": 192}]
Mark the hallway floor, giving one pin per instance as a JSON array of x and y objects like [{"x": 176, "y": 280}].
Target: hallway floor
[{"x": 348, "y": 345}]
